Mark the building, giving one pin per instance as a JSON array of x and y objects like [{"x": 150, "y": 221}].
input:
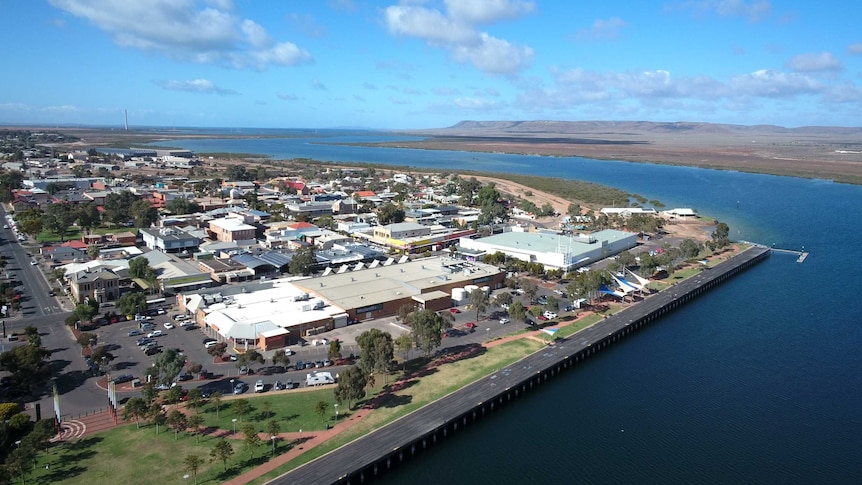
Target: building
[
  {"x": 304, "y": 307},
  {"x": 170, "y": 240},
  {"x": 231, "y": 229},
  {"x": 99, "y": 284},
  {"x": 554, "y": 251}
]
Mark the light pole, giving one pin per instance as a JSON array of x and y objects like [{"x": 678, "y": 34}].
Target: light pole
[
  {"x": 273, "y": 437},
  {"x": 336, "y": 412},
  {"x": 234, "y": 425},
  {"x": 231, "y": 385}
]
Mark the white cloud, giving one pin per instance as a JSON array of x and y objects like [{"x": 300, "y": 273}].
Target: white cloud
[
  {"x": 602, "y": 29},
  {"x": 455, "y": 31},
  {"x": 855, "y": 49},
  {"x": 487, "y": 11},
  {"x": 752, "y": 11},
  {"x": 287, "y": 96},
  {"x": 495, "y": 56},
  {"x": 203, "y": 86},
  {"x": 478, "y": 104},
  {"x": 773, "y": 84},
  {"x": 316, "y": 84},
  {"x": 203, "y": 31},
  {"x": 814, "y": 62}
]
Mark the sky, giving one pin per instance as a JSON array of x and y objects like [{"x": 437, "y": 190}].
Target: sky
[{"x": 411, "y": 64}]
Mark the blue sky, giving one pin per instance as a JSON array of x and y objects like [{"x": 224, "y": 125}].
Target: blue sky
[{"x": 424, "y": 64}]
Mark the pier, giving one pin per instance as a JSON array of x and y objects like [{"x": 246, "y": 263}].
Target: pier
[
  {"x": 801, "y": 254},
  {"x": 390, "y": 446}
]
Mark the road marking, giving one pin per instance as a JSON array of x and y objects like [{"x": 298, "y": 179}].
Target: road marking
[{"x": 69, "y": 430}]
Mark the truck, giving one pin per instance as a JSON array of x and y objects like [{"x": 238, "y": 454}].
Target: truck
[{"x": 319, "y": 379}]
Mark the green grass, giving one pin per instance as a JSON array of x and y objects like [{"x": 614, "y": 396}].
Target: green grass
[
  {"x": 140, "y": 456},
  {"x": 294, "y": 411}
]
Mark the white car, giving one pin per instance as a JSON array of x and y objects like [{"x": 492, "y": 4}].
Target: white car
[
  {"x": 504, "y": 321},
  {"x": 169, "y": 325},
  {"x": 550, "y": 315},
  {"x": 259, "y": 386},
  {"x": 210, "y": 344},
  {"x": 155, "y": 333},
  {"x": 185, "y": 323}
]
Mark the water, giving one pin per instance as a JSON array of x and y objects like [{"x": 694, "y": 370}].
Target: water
[{"x": 756, "y": 382}]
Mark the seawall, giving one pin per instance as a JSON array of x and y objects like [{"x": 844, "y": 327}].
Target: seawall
[{"x": 387, "y": 447}]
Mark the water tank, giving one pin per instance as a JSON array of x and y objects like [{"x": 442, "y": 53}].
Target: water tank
[
  {"x": 486, "y": 290},
  {"x": 470, "y": 288},
  {"x": 459, "y": 294}
]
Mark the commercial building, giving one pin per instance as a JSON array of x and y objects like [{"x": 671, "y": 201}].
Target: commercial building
[{"x": 554, "y": 251}]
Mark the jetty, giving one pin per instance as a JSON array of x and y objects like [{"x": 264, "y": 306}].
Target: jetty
[
  {"x": 390, "y": 446},
  {"x": 801, "y": 255}
]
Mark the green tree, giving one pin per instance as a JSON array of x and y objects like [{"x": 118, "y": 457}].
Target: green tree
[
  {"x": 403, "y": 344},
  {"x": 222, "y": 451},
  {"x": 117, "y": 207},
  {"x": 59, "y": 217},
  {"x": 195, "y": 421},
  {"x": 280, "y": 357},
  {"x": 690, "y": 248},
  {"x": 135, "y": 408},
  {"x": 517, "y": 312},
  {"x": 87, "y": 215},
  {"x": 20, "y": 461},
  {"x": 178, "y": 422},
  {"x": 167, "y": 366},
  {"x": 143, "y": 213},
  {"x": 503, "y": 298},
  {"x": 390, "y": 213},
  {"x": 251, "y": 440},
  {"x": 28, "y": 367},
  {"x": 478, "y": 301},
  {"x": 140, "y": 268},
  {"x": 192, "y": 464},
  {"x": 376, "y": 349},
  {"x": 303, "y": 261},
  {"x": 10, "y": 181},
  {"x": 156, "y": 415},
  {"x": 241, "y": 407},
  {"x": 181, "y": 205},
  {"x": 427, "y": 331},
  {"x": 531, "y": 289},
  {"x": 194, "y": 398},
  {"x": 320, "y": 409},
  {"x": 351, "y": 386},
  {"x": 215, "y": 398},
  {"x": 132, "y": 303},
  {"x": 334, "y": 351}
]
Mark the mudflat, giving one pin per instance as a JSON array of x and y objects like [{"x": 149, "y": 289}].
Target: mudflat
[{"x": 832, "y": 153}]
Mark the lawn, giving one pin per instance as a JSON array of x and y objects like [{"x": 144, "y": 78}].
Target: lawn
[
  {"x": 140, "y": 456},
  {"x": 293, "y": 410}
]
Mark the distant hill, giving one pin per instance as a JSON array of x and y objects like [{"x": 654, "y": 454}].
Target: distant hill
[{"x": 540, "y": 128}]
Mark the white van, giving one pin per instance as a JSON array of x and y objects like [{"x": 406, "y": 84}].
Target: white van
[{"x": 319, "y": 379}]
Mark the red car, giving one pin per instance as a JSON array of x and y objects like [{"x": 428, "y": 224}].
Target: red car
[
  {"x": 543, "y": 318},
  {"x": 470, "y": 325},
  {"x": 454, "y": 310}
]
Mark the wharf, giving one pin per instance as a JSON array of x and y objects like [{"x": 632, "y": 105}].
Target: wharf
[{"x": 372, "y": 454}]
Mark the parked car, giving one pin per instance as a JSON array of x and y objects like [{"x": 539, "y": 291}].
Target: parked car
[
  {"x": 155, "y": 333},
  {"x": 278, "y": 386},
  {"x": 504, "y": 321},
  {"x": 143, "y": 341},
  {"x": 239, "y": 388},
  {"x": 152, "y": 350},
  {"x": 179, "y": 317},
  {"x": 135, "y": 332},
  {"x": 149, "y": 345},
  {"x": 169, "y": 325},
  {"x": 259, "y": 386},
  {"x": 289, "y": 384},
  {"x": 327, "y": 362},
  {"x": 210, "y": 344},
  {"x": 122, "y": 378},
  {"x": 187, "y": 323},
  {"x": 454, "y": 310},
  {"x": 300, "y": 365}
]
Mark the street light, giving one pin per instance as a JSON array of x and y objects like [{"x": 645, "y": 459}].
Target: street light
[
  {"x": 273, "y": 437},
  {"x": 231, "y": 385},
  {"x": 336, "y": 412},
  {"x": 234, "y": 425}
]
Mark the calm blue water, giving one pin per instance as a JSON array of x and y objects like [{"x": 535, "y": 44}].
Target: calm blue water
[{"x": 757, "y": 382}]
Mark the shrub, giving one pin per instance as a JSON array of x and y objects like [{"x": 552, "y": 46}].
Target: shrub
[{"x": 8, "y": 409}]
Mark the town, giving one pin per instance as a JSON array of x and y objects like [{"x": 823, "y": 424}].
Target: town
[{"x": 263, "y": 261}]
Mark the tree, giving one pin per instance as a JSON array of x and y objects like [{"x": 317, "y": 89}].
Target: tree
[
  {"x": 132, "y": 303},
  {"x": 320, "y": 409},
  {"x": 193, "y": 463},
  {"x": 218, "y": 349},
  {"x": 530, "y": 287},
  {"x": 85, "y": 311},
  {"x": 177, "y": 421},
  {"x": 20, "y": 461},
  {"x": 181, "y": 205},
  {"x": 135, "y": 408},
  {"x": 390, "y": 213},
  {"x": 351, "y": 386},
  {"x": 101, "y": 356},
  {"x": 222, "y": 451},
  {"x": 251, "y": 440},
  {"x": 143, "y": 213},
  {"x": 140, "y": 268},
  {"x": 503, "y": 298},
  {"x": 478, "y": 301},
  {"x": 517, "y": 311},
  {"x": 403, "y": 344},
  {"x": 241, "y": 407},
  {"x": 376, "y": 350},
  {"x": 334, "y": 351},
  {"x": 215, "y": 398},
  {"x": 59, "y": 218},
  {"x": 303, "y": 261},
  {"x": 117, "y": 207},
  {"x": 33, "y": 337},
  {"x": 427, "y": 332},
  {"x": 195, "y": 421},
  {"x": 690, "y": 248},
  {"x": 27, "y": 365},
  {"x": 574, "y": 210},
  {"x": 87, "y": 215},
  {"x": 167, "y": 366},
  {"x": 720, "y": 237},
  {"x": 156, "y": 415},
  {"x": 194, "y": 398},
  {"x": 279, "y": 357}
]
